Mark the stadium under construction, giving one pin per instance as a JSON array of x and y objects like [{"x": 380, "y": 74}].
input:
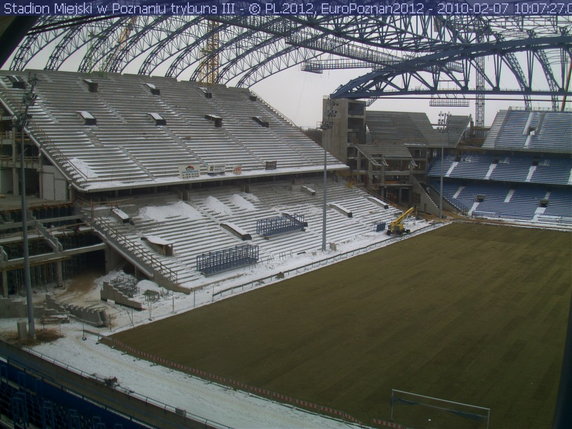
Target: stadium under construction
[{"x": 135, "y": 151}]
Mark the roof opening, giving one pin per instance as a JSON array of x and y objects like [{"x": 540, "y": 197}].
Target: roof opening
[
  {"x": 91, "y": 85},
  {"x": 153, "y": 89},
  {"x": 17, "y": 82},
  {"x": 159, "y": 120},
  {"x": 88, "y": 118},
  {"x": 206, "y": 92},
  {"x": 260, "y": 121},
  {"x": 215, "y": 118},
  {"x": 252, "y": 97}
]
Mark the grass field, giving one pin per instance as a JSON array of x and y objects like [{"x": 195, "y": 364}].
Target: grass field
[{"x": 471, "y": 313}]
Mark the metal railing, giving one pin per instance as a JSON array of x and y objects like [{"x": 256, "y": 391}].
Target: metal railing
[
  {"x": 56, "y": 155},
  {"x": 105, "y": 228},
  {"x": 146, "y": 399}
]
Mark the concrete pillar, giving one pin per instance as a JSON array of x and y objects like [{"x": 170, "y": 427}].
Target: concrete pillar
[
  {"x": 15, "y": 182},
  {"x": 5, "y": 284},
  {"x": 112, "y": 259},
  {"x": 59, "y": 274}
]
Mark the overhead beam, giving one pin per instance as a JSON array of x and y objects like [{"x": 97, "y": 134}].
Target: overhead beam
[{"x": 12, "y": 31}]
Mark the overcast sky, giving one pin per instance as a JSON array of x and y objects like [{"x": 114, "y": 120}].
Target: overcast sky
[{"x": 298, "y": 95}]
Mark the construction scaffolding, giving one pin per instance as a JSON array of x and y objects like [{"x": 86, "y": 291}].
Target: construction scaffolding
[
  {"x": 280, "y": 224},
  {"x": 227, "y": 259}
]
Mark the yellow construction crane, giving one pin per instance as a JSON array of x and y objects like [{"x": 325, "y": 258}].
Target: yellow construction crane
[
  {"x": 122, "y": 39},
  {"x": 396, "y": 226},
  {"x": 208, "y": 68}
]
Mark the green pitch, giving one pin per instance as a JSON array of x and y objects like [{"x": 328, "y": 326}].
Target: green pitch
[{"x": 470, "y": 313}]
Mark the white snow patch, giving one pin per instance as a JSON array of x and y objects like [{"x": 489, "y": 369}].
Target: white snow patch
[
  {"x": 161, "y": 213},
  {"x": 176, "y": 389},
  {"x": 250, "y": 197},
  {"x": 111, "y": 276},
  {"x": 145, "y": 285},
  {"x": 157, "y": 240},
  {"x": 239, "y": 201},
  {"x": 215, "y": 204},
  {"x": 83, "y": 167}
]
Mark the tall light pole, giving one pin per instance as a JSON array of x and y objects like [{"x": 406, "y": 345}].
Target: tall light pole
[
  {"x": 22, "y": 120},
  {"x": 326, "y": 125},
  {"x": 324, "y": 208},
  {"x": 443, "y": 119}
]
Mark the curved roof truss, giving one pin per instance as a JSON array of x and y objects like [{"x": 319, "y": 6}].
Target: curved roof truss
[{"x": 407, "y": 54}]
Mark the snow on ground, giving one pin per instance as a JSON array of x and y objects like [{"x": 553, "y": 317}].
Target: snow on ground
[{"x": 210, "y": 401}]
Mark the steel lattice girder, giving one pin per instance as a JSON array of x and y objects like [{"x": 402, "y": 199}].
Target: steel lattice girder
[
  {"x": 252, "y": 48},
  {"x": 397, "y": 79}
]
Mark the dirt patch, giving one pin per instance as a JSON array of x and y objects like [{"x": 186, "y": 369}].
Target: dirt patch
[
  {"x": 83, "y": 283},
  {"x": 42, "y": 336}
]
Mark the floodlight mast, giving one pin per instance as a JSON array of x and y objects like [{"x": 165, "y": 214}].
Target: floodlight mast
[
  {"x": 21, "y": 122},
  {"x": 443, "y": 120},
  {"x": 326, "y": 125}
]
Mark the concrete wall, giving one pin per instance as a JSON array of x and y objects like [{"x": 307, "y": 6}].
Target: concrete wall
[
  {"x": 92, "y": 316},
  {"x": 337, "y": 116},
  {"x": 5, "y": 180},
  {"x": 109, "y": 292},
  {"x": 335, "y": 137},
  {"x": 10, "y": 308},
  {"x": 53, "y": 184}
]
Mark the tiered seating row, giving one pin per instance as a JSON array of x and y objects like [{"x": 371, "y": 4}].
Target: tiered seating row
[
  {"x": 200, "y": 231},
  {"x": 550, "y": 170},
  {"x": 511, "y": 201},
  {"x": 535, "y": 131},
  {"x": 126, "y": 143}
]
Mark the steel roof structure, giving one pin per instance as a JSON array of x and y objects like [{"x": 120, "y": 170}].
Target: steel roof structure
[{"x": 419, "y": 55}]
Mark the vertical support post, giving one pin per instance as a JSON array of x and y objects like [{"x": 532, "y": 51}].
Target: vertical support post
[
  {"x": 5, "y": 284},
  {"x": 24, "y": 202},
  {"x": 325, "y": 206},
  {"x": 59, "y": 274},
  {"x": 441, "y": 187},
  {"x": 326, "y": 125}
]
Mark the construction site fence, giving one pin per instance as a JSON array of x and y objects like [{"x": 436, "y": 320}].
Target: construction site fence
[
  {"x": 131, "y": 393},
  {"x": 226, "y": 381}
]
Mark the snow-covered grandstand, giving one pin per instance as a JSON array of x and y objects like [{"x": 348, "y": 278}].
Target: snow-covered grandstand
[
  {"x": 166, "y": 173},
  {"x": 111, "y": 132}
]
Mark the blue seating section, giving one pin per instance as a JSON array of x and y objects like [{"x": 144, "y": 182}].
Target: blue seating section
[
  {"x": 534, "y": 131},
  {"x": 522, "y": 204},
  {"x": 435, "y": 167},
  {"x": 512, "y": 169},
  {"x": 560, "y": 203},
  {"x": 551, "y": 170},
  {"x": 30, "y": 401},
  {"x": 472, "y": 166}
]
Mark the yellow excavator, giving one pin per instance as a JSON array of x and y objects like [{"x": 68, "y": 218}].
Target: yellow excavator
[{"x": 396, "y": 226}]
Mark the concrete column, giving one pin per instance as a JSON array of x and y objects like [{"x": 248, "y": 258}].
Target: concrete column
[
  {"x": 59, "y": 274},
  {"x": 15, "y": 182},
  {"x": 5, "y": 284},
  {"x": 112, "y": 259}
]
